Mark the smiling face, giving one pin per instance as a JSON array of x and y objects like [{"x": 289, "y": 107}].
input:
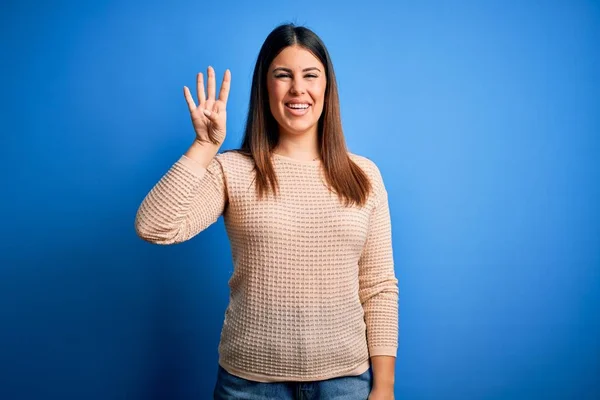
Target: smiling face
[{"x": 296, "y": 84}]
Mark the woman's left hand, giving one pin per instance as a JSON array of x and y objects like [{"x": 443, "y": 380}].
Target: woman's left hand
[{"x": 381, "y": 394}]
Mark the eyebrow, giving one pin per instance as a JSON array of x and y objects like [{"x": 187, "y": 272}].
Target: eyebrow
[{"x": 290, "y": 71}]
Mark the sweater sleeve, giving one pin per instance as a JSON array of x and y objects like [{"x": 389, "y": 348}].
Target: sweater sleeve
[
  {"x": 184, "y": 202},
  {"x": 378, "y": 286}
]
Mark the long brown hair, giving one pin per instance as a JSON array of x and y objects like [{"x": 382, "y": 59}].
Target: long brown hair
[{"x": 343, "y": 176}]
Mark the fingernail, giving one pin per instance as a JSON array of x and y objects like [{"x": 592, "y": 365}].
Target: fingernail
[{"x": 206, "y": 112}]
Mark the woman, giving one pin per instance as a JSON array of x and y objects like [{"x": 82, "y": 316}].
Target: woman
[{"x": 313, "y": 310}]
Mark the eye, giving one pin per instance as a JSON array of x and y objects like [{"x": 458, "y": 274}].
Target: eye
[
  {"x": 282, "y": 76},
  {"x": 312, "y": 76}
]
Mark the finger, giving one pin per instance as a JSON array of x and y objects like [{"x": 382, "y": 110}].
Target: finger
[
  {"x": 200, "y": 89},
  {"x": 224, "y": 93},
  {"x": 211, "y": 84},
  {"x": 189, "y": 99}
]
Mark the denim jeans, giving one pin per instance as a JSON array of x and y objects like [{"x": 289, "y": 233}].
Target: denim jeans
[{"x": 230, "y": 387}]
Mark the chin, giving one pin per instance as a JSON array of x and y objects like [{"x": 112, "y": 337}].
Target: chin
[{"x": 297, "y": 129}]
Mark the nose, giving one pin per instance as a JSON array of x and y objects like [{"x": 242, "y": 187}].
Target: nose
[{"x": 297, "y": 87}]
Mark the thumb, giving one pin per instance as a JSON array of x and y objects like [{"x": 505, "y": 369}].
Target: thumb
[{"x": 212, "y": 115}]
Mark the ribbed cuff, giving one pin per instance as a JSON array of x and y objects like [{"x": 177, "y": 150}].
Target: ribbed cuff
[{"x": 383, "y": 351}]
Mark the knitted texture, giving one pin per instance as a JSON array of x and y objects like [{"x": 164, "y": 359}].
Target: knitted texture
[{"x": 313, "y": 292}]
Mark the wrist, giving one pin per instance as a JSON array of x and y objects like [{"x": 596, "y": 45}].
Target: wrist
[
  {"x": 204, "y": 142},
  {"x": 383, "y": 384},
  {"x": 202, "y": 152}
]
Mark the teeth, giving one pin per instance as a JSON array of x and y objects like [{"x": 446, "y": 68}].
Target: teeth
[{"x": 299, "y": 106}]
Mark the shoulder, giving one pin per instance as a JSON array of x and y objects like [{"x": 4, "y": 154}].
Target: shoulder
[
  {"x": 372, "y": 171},
  {"x": 368, "y": 166},
  {"x": 236, "y": 167},
  {"x": 234, "y": 161}
]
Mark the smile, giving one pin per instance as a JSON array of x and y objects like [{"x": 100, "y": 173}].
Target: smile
[
  {"x": 297, "y": 109},
  {"x": 298, "y": 106}
]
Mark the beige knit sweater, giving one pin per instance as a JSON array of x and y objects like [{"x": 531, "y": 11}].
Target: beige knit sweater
[{"x": 313, "y": 293}]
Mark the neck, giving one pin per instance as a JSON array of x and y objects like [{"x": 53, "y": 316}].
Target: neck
[{"x": 301, "y": 147}]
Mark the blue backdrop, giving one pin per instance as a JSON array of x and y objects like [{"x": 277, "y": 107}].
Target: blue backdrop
[{"x": 483, "y": 117}]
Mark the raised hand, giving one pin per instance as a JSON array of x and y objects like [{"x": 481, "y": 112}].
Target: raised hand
[{"x": 209, "y": 117}]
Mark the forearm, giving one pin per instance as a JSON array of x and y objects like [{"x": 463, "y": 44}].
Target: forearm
[
  {"x": 164, "y": 212},
  {"x": 184, "y": 202},
  {"x": 383, "y": 371}
]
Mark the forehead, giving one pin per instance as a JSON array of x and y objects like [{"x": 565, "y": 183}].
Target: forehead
[{"x": 296, "y": 57}]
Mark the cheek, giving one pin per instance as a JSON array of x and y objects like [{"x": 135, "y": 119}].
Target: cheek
[
  {"x": 273, "y": 92},
  {"x": 276, "y": 92},
  {"x": 318, "y": 94}
]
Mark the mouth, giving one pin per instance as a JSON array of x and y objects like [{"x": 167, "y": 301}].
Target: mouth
[{"x": 297, "y": 108}]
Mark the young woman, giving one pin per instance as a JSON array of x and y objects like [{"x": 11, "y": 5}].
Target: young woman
[{"x": 313, "y": 310}]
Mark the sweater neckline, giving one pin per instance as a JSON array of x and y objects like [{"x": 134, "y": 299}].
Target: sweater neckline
[{"x": 295, "y": 161}]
